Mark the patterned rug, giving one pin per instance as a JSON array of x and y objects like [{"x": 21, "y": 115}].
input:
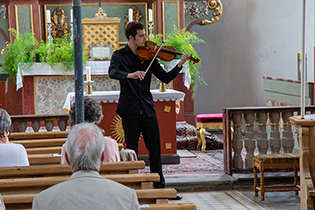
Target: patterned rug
[{"x": 210, "y": 162}]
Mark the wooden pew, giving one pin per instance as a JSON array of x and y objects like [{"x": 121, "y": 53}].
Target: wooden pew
[
  {"x": 38, "y": 135},
  {"x": 24, "y": 201},
  {"x": 44, "y": 150},
  {"x": 145, "y": 196},
  {"x": 125, "y": 167},
  {"x": 37, "y": 184},
  {"x": 34, "y": 143}
]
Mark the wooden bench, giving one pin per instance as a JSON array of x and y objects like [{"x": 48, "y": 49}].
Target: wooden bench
[
  {"x": 24, "y": 201},
  {"x": 44, "y": 150},
  {"x": 38, "y": 135},
  {"x": 145, "y": 196},
  {"x": 265, "y": 161},
  {"x": 126, "y": 167},
  {"x": 37, "y": 184}
]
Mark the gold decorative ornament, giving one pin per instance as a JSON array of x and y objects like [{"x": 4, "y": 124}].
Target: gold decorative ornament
[
  {"x": 100, "y": 13},
  {"x": 59, "y": 25},
  {"x": 136, "y": 16},
  {"x": 105, "y": 30},
  {"x": 7, "y": 43},
  {"x": 218, "y": 9},
  {"x": 117, "y": 129},
  {"x": 167, "y": 109},
  {"x": 168, "y": 145}
]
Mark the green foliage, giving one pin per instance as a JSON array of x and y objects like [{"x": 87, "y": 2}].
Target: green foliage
[
  {"x": 26, "y": 48},
  {"x": 18, "y": 53},
  {"x": 183, "y": 41}
]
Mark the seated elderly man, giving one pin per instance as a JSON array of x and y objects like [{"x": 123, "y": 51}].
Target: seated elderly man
[
  {"x": 93, "y": 114},
  {"x": 86, "y": 188},
  {"x": 10, "y": 154}
]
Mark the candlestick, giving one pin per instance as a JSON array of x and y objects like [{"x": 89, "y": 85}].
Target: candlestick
[
  {"x": 150, "y": 15},
  {"x": 48, "y": 16},
  {"x": 88, "y": 74},
  {"x": 71, "y": 15},
  {"x": 49, "y": 29},
  {"x": 99, "y": 4},
  {"x": 130, "y": 14}
]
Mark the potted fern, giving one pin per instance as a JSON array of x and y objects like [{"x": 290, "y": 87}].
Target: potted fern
[
  {"x": 19, "y": 53},
  {"x": 26, "y": 49},
  {"x": 183, "y": 41}
]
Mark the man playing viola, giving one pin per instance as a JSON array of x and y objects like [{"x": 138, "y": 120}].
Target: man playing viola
[{"x": 135, "y": 106}]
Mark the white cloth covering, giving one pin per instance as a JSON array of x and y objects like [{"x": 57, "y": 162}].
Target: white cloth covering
[
  {"x": 13, "y": 155},
  {"x": 113, "y": 96},
  {"x": 96, "y": 67}
]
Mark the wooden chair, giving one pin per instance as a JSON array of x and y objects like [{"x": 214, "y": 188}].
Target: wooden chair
[
  {"x": 212, "y": 121},
  {"x": 265, "y": 161}
]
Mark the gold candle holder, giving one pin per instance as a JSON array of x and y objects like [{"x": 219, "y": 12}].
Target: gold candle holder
[
  {"x": 88, "y": 89},
  {"x": 162, "y": 87}
]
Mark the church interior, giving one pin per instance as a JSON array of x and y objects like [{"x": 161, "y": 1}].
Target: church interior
[{"x": 235, "y": 126}]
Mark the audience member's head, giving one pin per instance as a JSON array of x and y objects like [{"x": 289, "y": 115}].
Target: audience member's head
[
  {"x": 5, "y": 123},
  {"x": 92, "y": 112},
  {"x": 84, "y": 147}
]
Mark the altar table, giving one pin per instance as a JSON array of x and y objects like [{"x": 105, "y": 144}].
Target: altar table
[{"x": 165, "y": 108}]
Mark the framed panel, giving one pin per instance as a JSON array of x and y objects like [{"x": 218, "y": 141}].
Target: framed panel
[
  {"x": 170, "y": 12},
  {"x": 24, "y": 18}
]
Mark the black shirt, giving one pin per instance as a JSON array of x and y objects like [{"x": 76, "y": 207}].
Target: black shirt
[{"x": 135, "y": 99}]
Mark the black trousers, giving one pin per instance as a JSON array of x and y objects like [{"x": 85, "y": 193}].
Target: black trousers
[{"x": 149, "y": 128}]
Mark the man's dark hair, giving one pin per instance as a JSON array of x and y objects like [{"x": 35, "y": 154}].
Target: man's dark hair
[{"x": 132, "y": 27}]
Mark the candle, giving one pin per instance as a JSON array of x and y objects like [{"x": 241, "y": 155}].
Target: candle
[
  {"x": 150, "y": 15},
  {"x": 130, "y": 14},
  {"x": 71, "y": 16},
  {"x": 48, "y": 16},
  {"x": 88, "y": 74}
]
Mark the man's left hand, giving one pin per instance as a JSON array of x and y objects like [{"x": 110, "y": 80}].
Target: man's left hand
[{"x": 185, "y": 57}]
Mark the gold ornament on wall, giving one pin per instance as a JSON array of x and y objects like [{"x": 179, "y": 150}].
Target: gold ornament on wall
[
  {"x": 117, "y": 129},
  {"x": 136, "y": 16},
  {"x": 59, "y": 25},
  {"x": 197, "y": 11}
]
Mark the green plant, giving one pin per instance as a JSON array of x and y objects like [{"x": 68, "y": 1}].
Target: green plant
[
  {"x": 25, "y": 48},
  {"x": 183, "y": 41},
  {"x": 18, "y": 54}
]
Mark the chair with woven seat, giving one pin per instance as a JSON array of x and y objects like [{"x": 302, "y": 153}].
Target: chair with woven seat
[
  {"x": 286, "y": 160},
  {"x": 212, "y": 121}
]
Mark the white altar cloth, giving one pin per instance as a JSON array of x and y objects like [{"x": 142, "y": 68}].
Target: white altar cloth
[
  {"x": 113, "y": 96},
  {"x": 96, "y": 67}
]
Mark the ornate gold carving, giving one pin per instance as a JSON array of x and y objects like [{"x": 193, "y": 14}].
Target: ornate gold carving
[
  {"x": 117, "y": 129},
  {"x": 7, "y": 43},
  {"x": 218, "y": 9},
  {"x": 100, "y": 13},
  {"x": 136, "y": 16},
  {"x": 167, "y": 109},
  {"x": 104, "y": 30},
  {"x": 59, "y": 25},
  {"x": 168, "y": 145}
]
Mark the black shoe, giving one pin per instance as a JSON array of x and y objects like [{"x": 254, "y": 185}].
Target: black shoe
[
  {"x": 157, "y": 185},
  {"x": 178, "y": 197}
]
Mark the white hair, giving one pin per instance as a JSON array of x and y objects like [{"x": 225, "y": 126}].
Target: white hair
[
  {"x": 84, "y": 147},
  {"x": 5, "y": 121}
]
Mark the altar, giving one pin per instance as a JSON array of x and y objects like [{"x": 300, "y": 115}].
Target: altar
[{"x": 166, "y": 105}]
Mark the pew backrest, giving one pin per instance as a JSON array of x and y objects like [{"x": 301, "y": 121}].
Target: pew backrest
[{"x": 126, "y": 167}]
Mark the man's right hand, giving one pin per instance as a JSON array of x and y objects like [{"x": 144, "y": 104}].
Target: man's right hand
[{"x": 136, "y": 75}]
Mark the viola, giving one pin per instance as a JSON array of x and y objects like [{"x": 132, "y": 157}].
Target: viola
[{"x": 167, "y": 53}]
